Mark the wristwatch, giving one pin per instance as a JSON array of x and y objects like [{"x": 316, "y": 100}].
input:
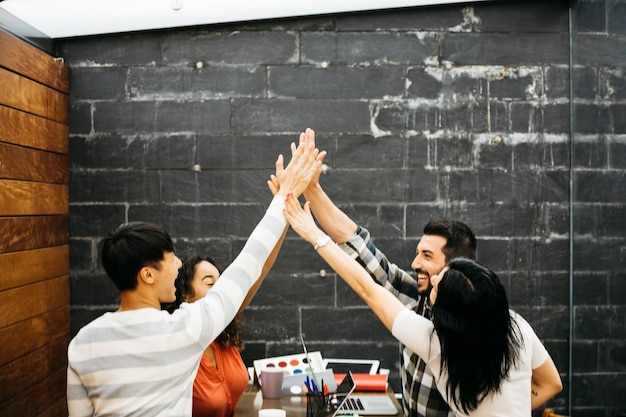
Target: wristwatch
[{"x": 321, "y": 241}]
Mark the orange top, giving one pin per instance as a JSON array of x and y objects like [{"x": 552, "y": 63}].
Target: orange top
[{"x": 216, "y": 391}]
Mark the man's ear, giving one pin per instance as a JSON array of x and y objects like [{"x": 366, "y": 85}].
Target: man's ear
[{"x": 146, "y": 275}]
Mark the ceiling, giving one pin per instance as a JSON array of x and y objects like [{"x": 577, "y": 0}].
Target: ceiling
[{"x": 71, "y": 18}]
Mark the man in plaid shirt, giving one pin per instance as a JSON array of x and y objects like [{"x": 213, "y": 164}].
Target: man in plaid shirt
[
  {"x": 419, "y": 393},
  {"x": 442, "y": 241}
]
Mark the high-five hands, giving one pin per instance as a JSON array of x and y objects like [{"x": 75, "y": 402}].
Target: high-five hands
[
  {"x": 307, "y": 139},
  {"x": 296, "y": 177}
]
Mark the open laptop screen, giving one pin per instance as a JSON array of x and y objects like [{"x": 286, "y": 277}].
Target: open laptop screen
[{"x": 344, "y": 389}]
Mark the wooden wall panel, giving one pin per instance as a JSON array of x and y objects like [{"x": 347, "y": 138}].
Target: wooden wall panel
[
  {"x": 25, "y": 59},
  {"x": 34, "y": 225},
  {"x": 27, "y": 267},
  {"x": 32, "y": 367},
  {"x": 33, "y": 131},
  {"x": 43, "y": 166},
  {"x": 21, "y": 198},
  {"x": 27, "y": 336},
  {"x": 37, "y": 398},
  {"x": 29, "y": 301},
  {"x": 57, "y": 409},
  {"x": 30, "y": 96},
  {"x": 32, "y": 232}
]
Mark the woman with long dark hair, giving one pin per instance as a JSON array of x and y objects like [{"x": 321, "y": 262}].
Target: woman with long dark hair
[{"x": 486, "y": 359}]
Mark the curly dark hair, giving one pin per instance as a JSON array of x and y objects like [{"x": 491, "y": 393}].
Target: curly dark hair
[{"x": 232, "y": 334}]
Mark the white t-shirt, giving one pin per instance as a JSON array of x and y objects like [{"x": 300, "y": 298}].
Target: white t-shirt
[{"x": 513, "y": 400}]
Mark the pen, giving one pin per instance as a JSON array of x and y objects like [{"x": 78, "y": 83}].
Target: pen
[
  {"x": 308, "y": 359},
  {"x": 314, "y": 385}
]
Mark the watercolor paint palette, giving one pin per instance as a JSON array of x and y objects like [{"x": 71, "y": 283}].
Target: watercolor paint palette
[{"x": 296, "y": 364}]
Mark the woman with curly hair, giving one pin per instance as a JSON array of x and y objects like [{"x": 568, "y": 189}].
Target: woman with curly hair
[{"x": 222, "y": 375}]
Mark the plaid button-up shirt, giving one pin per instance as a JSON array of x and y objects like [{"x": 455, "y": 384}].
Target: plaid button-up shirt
[{"x": 420, "y": 397}]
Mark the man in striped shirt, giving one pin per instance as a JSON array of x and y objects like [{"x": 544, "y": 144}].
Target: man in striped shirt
[
  {"x": 442, "y": 241},
  {"x": 140, "y": 360}
]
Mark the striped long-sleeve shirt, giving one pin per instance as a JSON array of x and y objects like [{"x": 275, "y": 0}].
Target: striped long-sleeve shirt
[{"x": 143, "y": 362}]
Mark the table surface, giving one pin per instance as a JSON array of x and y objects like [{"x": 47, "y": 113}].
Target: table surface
[{"x": 252, "y": 401}]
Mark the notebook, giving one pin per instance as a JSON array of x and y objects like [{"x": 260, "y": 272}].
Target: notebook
[{"x": 367, "y": 405}]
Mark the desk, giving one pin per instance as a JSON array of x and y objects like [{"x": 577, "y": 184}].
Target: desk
[{"x": 252, "y": 401}]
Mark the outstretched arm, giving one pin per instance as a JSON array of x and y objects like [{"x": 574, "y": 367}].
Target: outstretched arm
[
  {"x": 339, "y": 226},
  {"x": 267, "y": 267},
  {"x": 354, "y": 240},
  {"x": 231, "y": 290},
  {"x": 384, "y": 304},
  {"x": 295, "y": 177}
]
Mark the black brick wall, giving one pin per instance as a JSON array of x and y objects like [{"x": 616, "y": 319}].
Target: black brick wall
[
  {"x": 599, "y": 251},
  {"x": 460, "y": 111}
]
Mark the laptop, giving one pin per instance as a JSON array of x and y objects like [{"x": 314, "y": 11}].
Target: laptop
[
  {"x": 366, "y": 405},
  {"x": 356, "y": 366}
]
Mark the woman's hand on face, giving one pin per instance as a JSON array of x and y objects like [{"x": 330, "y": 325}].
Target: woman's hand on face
[{"x": 434, "y": 282}]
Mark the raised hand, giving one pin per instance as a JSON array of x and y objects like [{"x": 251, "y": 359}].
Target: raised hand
[
  {"x": 309, "y": 137},
  {"x": 297, "y": 175},
  {"x": 300, "y": 219},
  {"x": 306, "y": 141}
]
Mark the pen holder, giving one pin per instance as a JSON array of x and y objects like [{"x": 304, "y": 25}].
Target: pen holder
[{"x": 318, "y": 405}]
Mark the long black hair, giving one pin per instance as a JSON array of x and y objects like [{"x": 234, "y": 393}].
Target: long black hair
[{"x": 480, "y": 342}]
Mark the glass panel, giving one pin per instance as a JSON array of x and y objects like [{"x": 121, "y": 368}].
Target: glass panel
[{"x": 598, "y": 158}]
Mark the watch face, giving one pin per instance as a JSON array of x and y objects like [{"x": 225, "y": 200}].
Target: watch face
[{"x": 321, "y": 241}]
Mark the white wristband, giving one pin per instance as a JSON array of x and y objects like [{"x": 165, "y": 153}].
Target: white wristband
[{"x": 321, "y": 241}]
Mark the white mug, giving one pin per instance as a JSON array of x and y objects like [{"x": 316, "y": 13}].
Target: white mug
[{"x": 272, "y": 412}]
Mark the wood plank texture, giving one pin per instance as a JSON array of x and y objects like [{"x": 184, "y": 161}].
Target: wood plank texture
[
  {"x": 27, "y": 336},
  {"x": 34, "y": 225},
  {"x": 37, "y": 398},
  {"x": 58, "y": 409},
  {"x": 27, "y": 267},
  {"x": 27, "y": 95},
  {"x": 20, "y": 57},
  {"x": 33, "y": 232},
  {"x": 20, "y": 198},
  {"x": 18, "y": 163},
  {"x": 25, "y": 371},
  {"x": 32, "y": 131},
  {"x": 32, "y": 300}
]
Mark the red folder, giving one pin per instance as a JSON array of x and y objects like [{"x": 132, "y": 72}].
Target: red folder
[{"x": 366, "y": 382}]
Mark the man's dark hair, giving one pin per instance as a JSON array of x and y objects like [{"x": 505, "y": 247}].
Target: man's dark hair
[
  {"x": 130, "y": 247},
  {"x": 461, "y": 241}
]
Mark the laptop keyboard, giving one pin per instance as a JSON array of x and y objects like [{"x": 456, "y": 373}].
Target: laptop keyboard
[{"x": 352, "y": 405}]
